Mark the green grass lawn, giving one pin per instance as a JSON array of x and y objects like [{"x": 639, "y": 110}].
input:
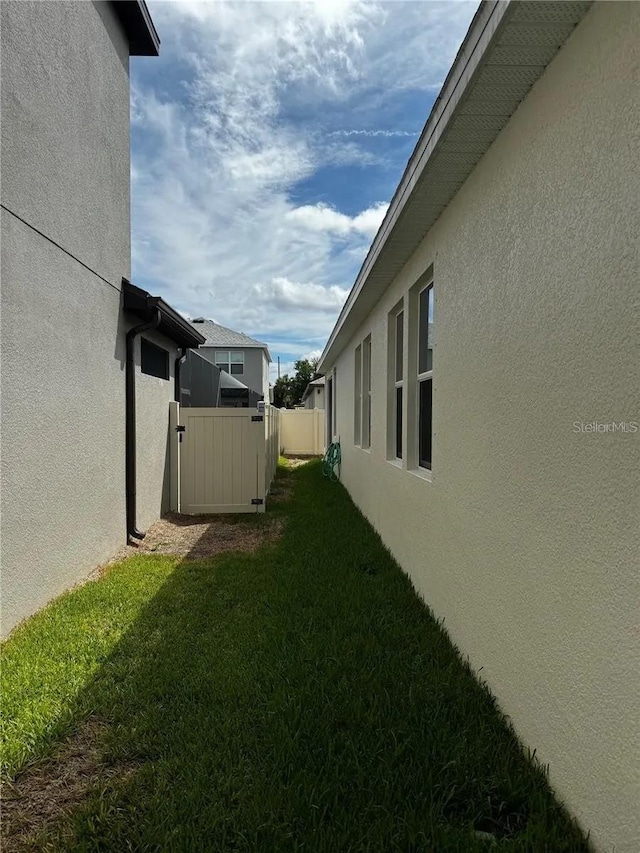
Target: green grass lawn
[{"x": 300, "y": 698}]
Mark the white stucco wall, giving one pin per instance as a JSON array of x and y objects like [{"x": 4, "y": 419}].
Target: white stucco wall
[
  {"x": 63, "y": 423},
  {"x": 65, "y": 171},
  {"x": 65, "y": 127},
  {"x": 526, "y": 539}
]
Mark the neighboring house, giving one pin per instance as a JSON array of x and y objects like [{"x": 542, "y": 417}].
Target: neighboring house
[
  {"x": 313, "y": 397},
  {"x": 234, "y": 394},
  {"x": 237, "y": 354},
  {"x": 85, "y": 390},
  {"x": 488, "y": 463}
]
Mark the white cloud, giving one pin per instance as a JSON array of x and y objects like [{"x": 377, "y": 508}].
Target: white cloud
[
  {"x": 285, "y": 295},
  {"x": 323, "y": 218},
  {"x": 387, "y": 134},
  {"x": 231, "y": 118}
]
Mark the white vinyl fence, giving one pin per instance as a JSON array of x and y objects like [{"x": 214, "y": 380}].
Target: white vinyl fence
[
  {"x": 223, "y": 460},
  {"x": 302, "y": 431},
  {"x": 272, "y": 422}
]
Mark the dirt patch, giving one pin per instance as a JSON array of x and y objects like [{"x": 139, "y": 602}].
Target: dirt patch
[
  {"x": 281, "y": 491},
  {"x": 46, "y": 792},
  {"x": 297, "y": 461},
  {"x": 199, "y": 537}
]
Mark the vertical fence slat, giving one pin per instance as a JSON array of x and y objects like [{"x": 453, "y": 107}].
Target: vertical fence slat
[{"x": 174, "y": 457}]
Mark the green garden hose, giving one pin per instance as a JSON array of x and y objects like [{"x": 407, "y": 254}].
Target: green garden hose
[{"x": 331, "y": 461}]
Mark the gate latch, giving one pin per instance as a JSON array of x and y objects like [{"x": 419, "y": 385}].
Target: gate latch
[
  {"x": 257, "y": 501},
  {"x": 255, "y": 418},
  {"x": 180, "y": 428}
]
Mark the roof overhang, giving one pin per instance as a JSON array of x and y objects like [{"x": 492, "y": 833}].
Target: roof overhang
[
  {"x": 242, "y": 346},
  {"x": 172, "y": 325},
  {"x": 507, "y": 48},
  {"x": 136, "y": 21}
]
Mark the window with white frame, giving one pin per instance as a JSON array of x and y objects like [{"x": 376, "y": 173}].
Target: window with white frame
[
  {"x": 366, "y": 392},
  {"x": 424, "y": 396},
  {"x": 329, "y": 409},
  {"x": 396, "y": 369},
  {"x": 357, "y": 396},
  {"x": 334, "y": 386},
  {"x": 231, "y": 362}
]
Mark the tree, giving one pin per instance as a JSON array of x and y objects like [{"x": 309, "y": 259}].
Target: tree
[
  {"x": 305, "y": 371},
  {"x": 288, "y": 390},
  {"x": 283, "y": 392}
]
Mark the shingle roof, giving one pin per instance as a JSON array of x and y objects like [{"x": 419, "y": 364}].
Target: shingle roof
[{"x": 219, "y": 336}]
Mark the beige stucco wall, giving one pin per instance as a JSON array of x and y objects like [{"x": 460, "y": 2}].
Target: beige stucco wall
[
  {"x": 526, "y": 539},
  {"x": 65, "y": 170}
]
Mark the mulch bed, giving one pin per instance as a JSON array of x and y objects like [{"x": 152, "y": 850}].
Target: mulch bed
[{"x": 199, "y": 537}]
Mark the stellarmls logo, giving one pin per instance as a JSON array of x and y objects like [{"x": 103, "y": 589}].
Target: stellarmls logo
[{"x": 606, "y": 426}]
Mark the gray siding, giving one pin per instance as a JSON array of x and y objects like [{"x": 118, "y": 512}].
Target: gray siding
[{"x": 256, "y": 368}]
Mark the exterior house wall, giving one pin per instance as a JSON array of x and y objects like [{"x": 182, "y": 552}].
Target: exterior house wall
[
  {"x": 525, "y": 537},
  {"x": 315, "y": 400},
  {"x": 65, "y": 172},
  {"x": 256, "y": 367},
  {"x": 153, "y": 396},
  {"x": 65, "y": 158}
]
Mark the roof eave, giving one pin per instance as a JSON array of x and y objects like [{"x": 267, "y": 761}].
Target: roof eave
[
  {"x": 241, "y": 346},
  {"x": 139, "y": 28},
  {"x": 425, "y": 176},
  {"x": 172, "y": 324}
]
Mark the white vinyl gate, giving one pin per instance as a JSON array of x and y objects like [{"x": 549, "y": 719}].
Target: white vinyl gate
[{"x": 223, "y": 460}]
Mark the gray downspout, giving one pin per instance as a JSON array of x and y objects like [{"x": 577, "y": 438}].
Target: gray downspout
[{"x": 130, "y": 421}]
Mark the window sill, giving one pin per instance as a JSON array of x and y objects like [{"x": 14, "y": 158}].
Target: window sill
[
  {"x": 397, "y": 463},
  {"x": 422, "y": 474}
]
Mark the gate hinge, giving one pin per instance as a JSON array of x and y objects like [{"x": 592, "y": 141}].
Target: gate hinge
[
  {"x": 255, "y": 418},
  {"x": 257, "y": 501}
]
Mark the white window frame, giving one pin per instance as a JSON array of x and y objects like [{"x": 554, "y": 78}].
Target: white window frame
[
  {"x": 232, "y": 357},
  {"x": 424, "y": 376},
  {"x": 334, "y": 389},
  {"x": 396, "y": 381},
  {"x": 366, "y": 392},
  {"x": 414, "y": 379},
  {"x": 357, "y": 396}
]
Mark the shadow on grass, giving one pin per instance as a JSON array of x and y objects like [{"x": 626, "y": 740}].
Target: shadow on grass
[{"x": 301, "y": 697}]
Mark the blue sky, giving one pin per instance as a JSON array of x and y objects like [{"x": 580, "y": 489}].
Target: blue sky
[{"x": 267, "y": 141}]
